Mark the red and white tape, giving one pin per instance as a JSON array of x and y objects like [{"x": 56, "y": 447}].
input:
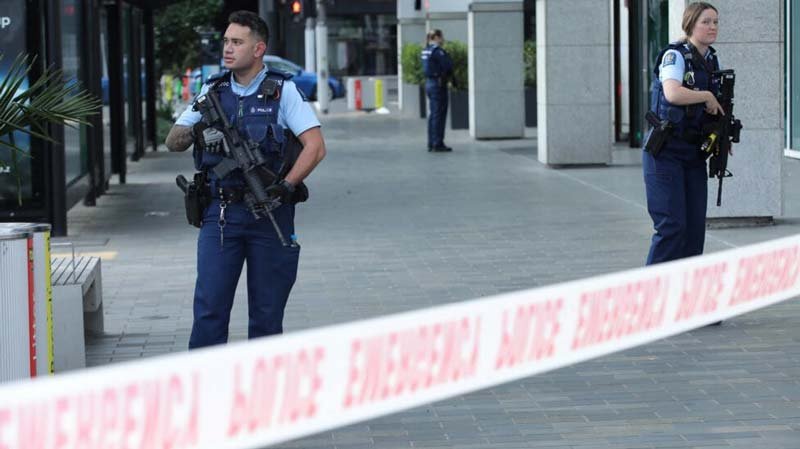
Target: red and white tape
[{"x": 252, "y": 394}]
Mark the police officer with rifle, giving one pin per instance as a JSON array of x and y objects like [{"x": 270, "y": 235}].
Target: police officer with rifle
[
  {"x": 251, "y": 167},
  {"x": 691, "y": 108}
]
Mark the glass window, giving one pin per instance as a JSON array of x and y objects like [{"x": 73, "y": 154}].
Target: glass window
[
  {"x": 74, "y": 147},
  {"x": 794, "y": 79},
  {"x": 130, "y": 136},
  {"x": 105, "y": 89},
  {"x": 21, "y": 180},
  {"x": 142, "y": 70},
  {"x": 362, "y": 45}
]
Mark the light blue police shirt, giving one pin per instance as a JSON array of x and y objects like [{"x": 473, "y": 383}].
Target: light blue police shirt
[
  {"x": 673, "y": 66},
  {"x": 294, "y": 112}
]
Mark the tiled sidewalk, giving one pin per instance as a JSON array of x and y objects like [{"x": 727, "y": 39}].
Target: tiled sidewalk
[{"x": 391, "y": 228}]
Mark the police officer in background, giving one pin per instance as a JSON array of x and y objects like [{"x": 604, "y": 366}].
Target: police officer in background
[
  {"x": 676, "y": 180},
  {"x": 230, "y": 234},
  {"x": 438, "y": 69}
]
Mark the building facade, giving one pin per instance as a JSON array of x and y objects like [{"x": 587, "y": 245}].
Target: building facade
[{"x": 594, "y": 60}]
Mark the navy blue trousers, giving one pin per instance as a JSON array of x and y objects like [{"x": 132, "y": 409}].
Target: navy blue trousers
[
  {"x": 677, "y": 192},
  {"x": 271, "y": 272},
  {"x": 437, "y": 97}
]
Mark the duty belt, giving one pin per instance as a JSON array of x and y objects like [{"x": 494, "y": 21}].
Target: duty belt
[
  {"x": 691, "y": 136},
  {"x": 228, "y": 194}
]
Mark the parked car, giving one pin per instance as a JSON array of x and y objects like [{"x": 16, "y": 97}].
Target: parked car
[{"x": 306, "y": 81}]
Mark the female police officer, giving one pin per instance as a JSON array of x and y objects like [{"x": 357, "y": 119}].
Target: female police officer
[
  {"x": 230, "y": 234},
  {"x": 675, "y": 178},
  {"x": 438, "y": 69}
]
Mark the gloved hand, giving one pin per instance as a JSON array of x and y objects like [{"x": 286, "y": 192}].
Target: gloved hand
[
  {"x": 213, "y": 139},
  {"x": 281, "y": 191}
]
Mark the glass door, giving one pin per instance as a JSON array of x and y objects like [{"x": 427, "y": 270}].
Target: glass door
[
  {"x": 649, "y": 33},
  {"x": 793, "y": 78}
]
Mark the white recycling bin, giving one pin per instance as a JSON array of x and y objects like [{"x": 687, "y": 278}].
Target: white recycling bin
[
  {"x": 17, "y": 338},
  {"x": 42, "y": 293}
]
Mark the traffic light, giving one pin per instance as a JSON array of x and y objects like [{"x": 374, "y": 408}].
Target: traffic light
[{"x": 297, "y": 10}]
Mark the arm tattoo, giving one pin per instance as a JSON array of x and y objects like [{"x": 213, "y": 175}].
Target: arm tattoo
[{"x": 179, "y": 138}]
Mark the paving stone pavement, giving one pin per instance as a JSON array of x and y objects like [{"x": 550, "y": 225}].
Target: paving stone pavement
[{"x": 391, "y": 227}]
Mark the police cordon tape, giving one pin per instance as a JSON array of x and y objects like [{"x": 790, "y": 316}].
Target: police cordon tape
[{"x": 257, "y": 393}]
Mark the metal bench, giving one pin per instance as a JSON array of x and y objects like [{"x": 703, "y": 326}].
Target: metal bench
[{"x": 77, "y": 308}]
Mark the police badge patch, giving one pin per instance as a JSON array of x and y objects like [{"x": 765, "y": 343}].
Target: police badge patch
[{"x": 669, "y": 59}]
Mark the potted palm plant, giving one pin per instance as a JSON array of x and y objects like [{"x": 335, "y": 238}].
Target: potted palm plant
[
  {"x": 50, "y": 99},
  {"x": 459, "y": 94}
]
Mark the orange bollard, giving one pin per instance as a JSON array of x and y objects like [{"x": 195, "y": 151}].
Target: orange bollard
[{"x": 358, "y": 94}]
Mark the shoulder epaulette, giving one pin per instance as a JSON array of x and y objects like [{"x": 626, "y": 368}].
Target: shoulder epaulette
[
  {"x": 675, "y": 45},
  {"x": 279, "y": 74},
  {"x": 681, "y": 47},
  {"x": 217, "y": 76}
]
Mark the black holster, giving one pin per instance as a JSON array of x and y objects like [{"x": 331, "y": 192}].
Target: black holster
[
  {"x": 660, "y": 131},
  {"x": 196, "y": 197}
]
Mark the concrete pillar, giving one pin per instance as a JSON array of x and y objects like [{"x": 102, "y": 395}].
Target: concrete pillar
[
  {"x": 496, "y": 97},
  {"x": 573, "y": 72},
  {"x": 310, "y": 41},
  {"x": 751, "y": 41},
  {"x": 452, "y": 24},
  {"x": 323, "y": 68},
  {"x": 450, "y": 16},
  {"x": 676, "y": 8},
  {"x": 410, "y": 29}
]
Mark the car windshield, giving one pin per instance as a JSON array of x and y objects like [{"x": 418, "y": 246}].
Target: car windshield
[{"x": 282, "y": 65}]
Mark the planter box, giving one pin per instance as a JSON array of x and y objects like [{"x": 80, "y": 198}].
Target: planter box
[
  {"x": 411, "y": 106},
  {"x": 459, "y": 109},
  {"x": 530, "y": 106}
]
